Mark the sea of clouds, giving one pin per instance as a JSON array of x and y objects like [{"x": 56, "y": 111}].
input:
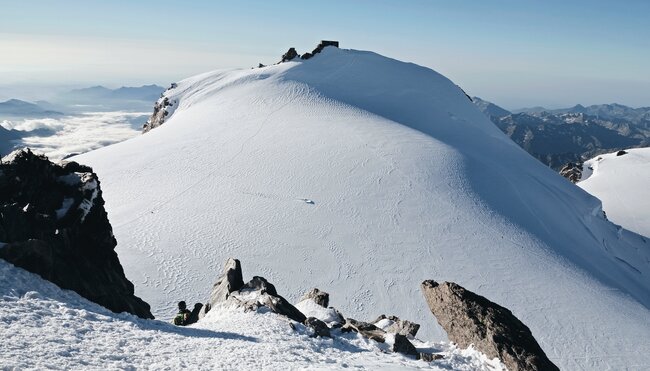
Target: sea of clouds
[{"x": 62, "y": 137}]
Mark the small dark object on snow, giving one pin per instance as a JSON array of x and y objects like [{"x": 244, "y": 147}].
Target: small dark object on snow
[
  {"x": 429, "y": 357},
  {"x": 621, "y": 153}
]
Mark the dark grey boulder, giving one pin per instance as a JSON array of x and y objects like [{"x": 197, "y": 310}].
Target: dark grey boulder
[
  {"x": 621, "y": 153},
  {"x": 469, "y": 318},
  {"x": 54, "y": 224},
  {"x": 367, "y": 330},
  {"x": 319, "y": 297},
  {"x": 318, "y": 327},
  {"x": 229, "y": 281},
  {"x": 404, "y": 346},
  {"x": 399, "y": 326}
]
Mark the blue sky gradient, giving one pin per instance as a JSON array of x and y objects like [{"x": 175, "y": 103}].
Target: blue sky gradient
[{"x": 515, "y": 53}]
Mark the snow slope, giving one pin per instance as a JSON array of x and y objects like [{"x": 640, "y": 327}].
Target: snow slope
[
  {"x": 363, "y": 176},
  {"x": 622, "y": 183},
  {"x": 46, "y": 327}
]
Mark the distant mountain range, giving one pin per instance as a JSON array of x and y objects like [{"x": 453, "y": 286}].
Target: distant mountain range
[
  {"x": 18, "y": 108},
  {"x": 556, "y": 137}
]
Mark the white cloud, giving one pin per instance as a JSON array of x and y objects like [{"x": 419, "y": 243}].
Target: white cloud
[{"x": 80, "y": 133}]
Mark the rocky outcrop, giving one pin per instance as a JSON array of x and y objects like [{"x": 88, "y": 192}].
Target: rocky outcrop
[
  {"x": 319, "y": 297},
  {"x": 621, "y": 153},
  {"x": 289, "y": 55},
  {"x": 53, "y": 222},
  {"x": 320, "y": 47},
  {"x": 469, "y": 318},
  {"x": 160, "y": 111},
  {"x": 367, "y": 330},
  {"x": 318, "y": 327},
  {"x": 572, "y": 171},
  {"x": 404, "y": 346},
  {"x": 230, "y": 292},
  {"x": 395, "y": 325}
]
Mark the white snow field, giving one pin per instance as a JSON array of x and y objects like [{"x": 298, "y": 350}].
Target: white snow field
[
  {"x": 44, "y": 327},
  {"x": 622, "y": 183},
  {"x": 363, "y": 176}
]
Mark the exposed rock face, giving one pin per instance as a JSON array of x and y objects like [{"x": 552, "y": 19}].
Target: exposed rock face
[
  {"x": 160, "y": 111},
  {"x": 395, "y": 325},
  {"x": 289, "y": 55},
  {"x": 230, "y": 292},
  {"x": 404, "y": 346},
  {"x": 53, "y": 222},
  {"x": 469, "y": 318},
  {"x": 572, "y": 171},
  {"x": 319, "y": 297},
  {"x": 320, "y": 48}
]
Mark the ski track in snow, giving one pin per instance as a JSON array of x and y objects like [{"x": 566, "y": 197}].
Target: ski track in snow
[{"x": 409, "y": 182}]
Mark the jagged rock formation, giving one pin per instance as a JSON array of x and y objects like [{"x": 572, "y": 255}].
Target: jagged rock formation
[
  {"x": 395, "y": 325},
  {"x": 320, "y": 48},
  {"x": 160, "y": 111},
  {"x": 230, "y": 292},
  {"x": 289, "y": 55},
  {"x": 572, "y": 171},
  {"x": 53, "y": 222},
  {"x": 469, "y": 318}
]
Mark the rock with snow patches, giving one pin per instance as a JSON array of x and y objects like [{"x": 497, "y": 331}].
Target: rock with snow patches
[
  {"x": 230, "y": 292},
  {"x": 572, "y": 171},
  {"x": 367, "y": 330},
  {"x": 319, "y": 297},
  {"x": 289, "y": 55},
  {"x": 53, "y": 223},
  {"x": 318, "y": 327},
  {"x": 311, "y": 308},
  {"x": 395, "y": 325},
  {"x": 160, "y": 111},
  {"x": 469, "y": 318}
]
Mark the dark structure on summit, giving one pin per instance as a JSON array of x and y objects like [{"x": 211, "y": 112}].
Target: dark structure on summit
[{"x": 320, "y": 48}]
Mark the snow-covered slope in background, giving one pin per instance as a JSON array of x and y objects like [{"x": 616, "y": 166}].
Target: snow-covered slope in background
[
  {"x": 363, "y": 176},
  {"x": 44, "y": 327},
  {"x": 622, "y": 183}
]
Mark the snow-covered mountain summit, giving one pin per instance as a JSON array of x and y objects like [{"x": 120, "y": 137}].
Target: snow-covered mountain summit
[{"x": 364, "y": 176}]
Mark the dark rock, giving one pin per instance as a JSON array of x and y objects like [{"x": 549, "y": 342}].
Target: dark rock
[
  {"x": 404, "y": 346},
  {"x": 319, "y": 297},
  {"x": 366, "y": 329},
  {"x": 230, "y": 292},
  {"x": 621, "y": 153},
  {"x": 399, "y": 326},
  {"x": 159, "y": 114},
  {"x": 572, "y": 171},
  {"x": 429, "y": 357},
  {"x": 53, "y": 222},
  {"x": 306, "y": 56},
  {"x": 262, "y": 285},
  {"x": 289, "y": 55},
  {"x": 318, "y": 327},
  {"x": 469, "y": 318},
  {"x": 323, "y": 44},
  {"x": 260, "y": 65}
]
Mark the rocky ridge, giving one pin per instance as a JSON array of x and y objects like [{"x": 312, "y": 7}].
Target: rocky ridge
[{"x": 53, "y": 223}]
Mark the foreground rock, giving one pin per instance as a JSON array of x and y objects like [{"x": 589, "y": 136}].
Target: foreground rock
[
  {"x": 469, "y": 318},
  {"x": 230, "y": 292},
  {"x": 395, "y": 325},
  {"x": 160, "y": 111},
  {"x": 53, "y": 222}
]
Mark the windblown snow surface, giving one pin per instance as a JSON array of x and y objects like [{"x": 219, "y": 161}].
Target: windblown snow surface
[
  {"x": 622, "y": 183},
  {"x": 363, "y": 176}
]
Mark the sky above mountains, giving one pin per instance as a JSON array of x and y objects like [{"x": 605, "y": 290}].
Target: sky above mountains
[{"x": 515, "y": 53}]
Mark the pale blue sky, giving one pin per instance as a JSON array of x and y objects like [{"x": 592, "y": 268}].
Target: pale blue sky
[{"x": 515, "y": 53}]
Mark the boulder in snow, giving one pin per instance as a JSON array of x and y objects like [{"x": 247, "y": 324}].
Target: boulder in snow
[
  {"x": 469, "y": 318},
  {"x": 319, "y": 297},
  {"x": 404, "y": 346},
  {"x": 318, "y": 327},
  {"x": 367, "y": 330},
  {"x": 395, "y": 325}
]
